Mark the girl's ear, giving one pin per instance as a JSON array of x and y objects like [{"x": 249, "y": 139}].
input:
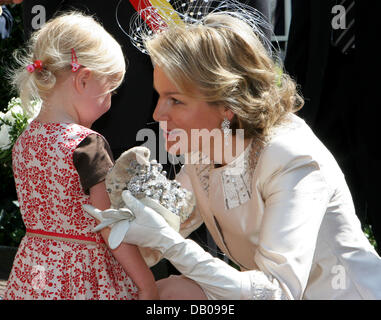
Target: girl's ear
[{"x": 81, "y": 79}]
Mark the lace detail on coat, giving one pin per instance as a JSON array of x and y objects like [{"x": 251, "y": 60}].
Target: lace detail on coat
[
  {"x": 264, "y": 287},
  {"x": 236, "y": 177},
  {"x": 202, "y": 166},
  {"x": 203, "y": 172}
]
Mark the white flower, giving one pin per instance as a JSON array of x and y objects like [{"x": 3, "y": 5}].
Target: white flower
[
  {"x": 5, "y": 141},
  {"x": 13, "y": 107},
  {"x": 8, "y": 122},
  {"x": 35, "y": 109},
  {"x": 17, "y": 109}
]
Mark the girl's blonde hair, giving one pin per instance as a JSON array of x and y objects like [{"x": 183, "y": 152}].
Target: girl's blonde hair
[
  {"x": 95, "y": 49},
  {"x": 223, "y": 59}
]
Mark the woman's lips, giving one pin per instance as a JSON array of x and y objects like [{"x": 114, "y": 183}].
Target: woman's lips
[{"x": 171, "y": 133}]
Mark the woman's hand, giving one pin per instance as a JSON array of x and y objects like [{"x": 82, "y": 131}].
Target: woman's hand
[{"x": 148, "y": 229}]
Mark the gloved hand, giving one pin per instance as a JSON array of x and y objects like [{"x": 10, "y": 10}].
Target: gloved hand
[
  {"x": 147, "y": 224},
  {"x": 214, "y": 276},
  {"x": 149, "y": 229},
  {"x": 119, "y": 218}
]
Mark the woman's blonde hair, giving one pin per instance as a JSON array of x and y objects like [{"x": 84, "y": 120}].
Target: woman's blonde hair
[
  {"x": 95, "y": 49},
  {"x": 224, "y": 60}
]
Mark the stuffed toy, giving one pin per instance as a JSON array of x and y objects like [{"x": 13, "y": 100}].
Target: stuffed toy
[{"x": 146, "y": 181}]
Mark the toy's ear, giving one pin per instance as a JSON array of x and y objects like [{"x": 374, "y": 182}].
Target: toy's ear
[
  {"x": 142, "y": 155},
  {"x": 118, "y": 176}
]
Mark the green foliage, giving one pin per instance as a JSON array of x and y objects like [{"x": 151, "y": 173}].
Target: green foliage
[
  {"x": 12, "y": 228},
  {"x": 12, "y": 124},
  {"x": 367, "y": 229}
]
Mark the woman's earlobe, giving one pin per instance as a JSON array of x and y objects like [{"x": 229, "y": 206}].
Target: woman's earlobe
[
  {"x": 228, "y": 114},
  {"x": 225, "y": 112}
]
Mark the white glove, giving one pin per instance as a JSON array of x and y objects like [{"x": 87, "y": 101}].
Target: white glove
[
  {"x": 214, "y": 276},
  {"x": 146, "y": 222},
  {"x": 118, "y": 218}
]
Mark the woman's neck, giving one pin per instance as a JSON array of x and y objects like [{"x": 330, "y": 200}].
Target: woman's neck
[
  {"x": 219, "y": 154},
  {"x": 225, "y": 154}
]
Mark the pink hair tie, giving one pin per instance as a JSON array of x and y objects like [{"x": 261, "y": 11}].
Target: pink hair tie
[
  {"x": 30, "y": 68},
  {"x": 37, "y": 65}
]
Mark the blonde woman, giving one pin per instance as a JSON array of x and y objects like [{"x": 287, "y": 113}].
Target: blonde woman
[
  {"x": 280, "y": 209},
  {"x": 59, "y": 164}
]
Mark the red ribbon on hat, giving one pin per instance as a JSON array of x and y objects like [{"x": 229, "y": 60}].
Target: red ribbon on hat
[{"x": 151, "y": 18}]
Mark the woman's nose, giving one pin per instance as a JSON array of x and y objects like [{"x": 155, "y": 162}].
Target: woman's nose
[{"x": 161, "y": 112}]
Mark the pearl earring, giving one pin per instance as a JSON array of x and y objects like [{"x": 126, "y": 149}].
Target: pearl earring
[{"x": 225, "y": 126}]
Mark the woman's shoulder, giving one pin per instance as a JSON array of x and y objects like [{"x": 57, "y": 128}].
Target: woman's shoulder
[
  {"x": 293, "y": 141},
  {"x": 292, "y": 138}
]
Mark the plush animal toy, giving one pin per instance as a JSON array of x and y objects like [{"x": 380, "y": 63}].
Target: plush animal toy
[{"x": 146, "y": 181}]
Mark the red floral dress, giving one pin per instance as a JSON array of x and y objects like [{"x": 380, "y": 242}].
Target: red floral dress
[{"x": 51, "y": 197}]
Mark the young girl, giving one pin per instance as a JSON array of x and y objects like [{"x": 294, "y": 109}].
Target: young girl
[{"x": 60, "y": 164}]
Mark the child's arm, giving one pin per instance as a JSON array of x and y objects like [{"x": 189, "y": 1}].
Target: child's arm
[{"x": 127, "y": 255}]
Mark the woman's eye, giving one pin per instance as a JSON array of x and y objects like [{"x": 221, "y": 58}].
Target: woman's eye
[{"x": 175, "y": 101}]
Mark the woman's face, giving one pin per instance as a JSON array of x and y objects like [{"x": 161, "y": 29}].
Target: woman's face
[{"x": 181, "y": 117}]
